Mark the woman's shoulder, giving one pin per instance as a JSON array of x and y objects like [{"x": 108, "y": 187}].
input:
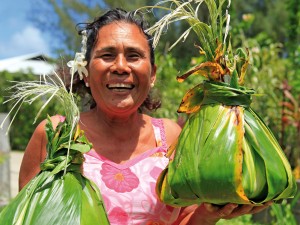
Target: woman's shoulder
[
  {"x": 172, "y": 129},
  {"x": 171, "y": 124}
]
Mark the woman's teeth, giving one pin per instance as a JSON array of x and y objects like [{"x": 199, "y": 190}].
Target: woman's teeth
[{"x": 120, "y": 86}]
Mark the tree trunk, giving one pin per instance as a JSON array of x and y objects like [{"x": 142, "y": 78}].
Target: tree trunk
[{"x": 4, "y": 163}]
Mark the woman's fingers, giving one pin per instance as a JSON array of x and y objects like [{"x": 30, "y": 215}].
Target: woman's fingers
[
  {"x": 221, "y": 211},
  {"x": 239, "y": 211},
  {"x": 247, "y": 209},
  {"x": 231, "y": 210},
  {"x": 257, "y": 209}
]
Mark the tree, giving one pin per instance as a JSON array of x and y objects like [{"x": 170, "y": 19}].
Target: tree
[{"x": 266, "y": 16}]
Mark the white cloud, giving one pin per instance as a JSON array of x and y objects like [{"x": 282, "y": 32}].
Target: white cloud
[{"x": 28, "y": 40}]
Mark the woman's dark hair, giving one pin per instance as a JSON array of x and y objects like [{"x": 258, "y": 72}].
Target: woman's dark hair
[
  {"x": 115, "y": 15},
  {"x": 92, "y": 29}
]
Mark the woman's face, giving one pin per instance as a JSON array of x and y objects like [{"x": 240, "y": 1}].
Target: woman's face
[{"x": 120, "y": 72}]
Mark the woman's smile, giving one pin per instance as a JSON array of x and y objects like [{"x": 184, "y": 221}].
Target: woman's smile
[{"x": 120, "y": 87}]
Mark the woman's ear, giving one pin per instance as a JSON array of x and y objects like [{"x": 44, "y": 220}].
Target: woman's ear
[{"x": 153, "y": 75}]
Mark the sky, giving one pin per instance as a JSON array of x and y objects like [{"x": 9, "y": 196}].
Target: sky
[{"x": 18, "y": 36}]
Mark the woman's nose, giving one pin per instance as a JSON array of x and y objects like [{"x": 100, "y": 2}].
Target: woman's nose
[{"x": 120, "y": 65}]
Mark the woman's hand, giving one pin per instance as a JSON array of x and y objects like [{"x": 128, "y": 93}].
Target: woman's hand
[
  {"x": 208, "y": 214},
  {"x": 229, "y": 211}
]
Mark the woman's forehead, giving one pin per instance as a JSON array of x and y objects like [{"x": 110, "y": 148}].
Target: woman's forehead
[
  {"x": 124, "y": 32},
  {"x": 121, "y": 28}
]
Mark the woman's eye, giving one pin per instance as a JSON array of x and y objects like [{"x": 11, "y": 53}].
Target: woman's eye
[
  {"x": 133, "y": 56},
  {"x": 107, "y": 56}
]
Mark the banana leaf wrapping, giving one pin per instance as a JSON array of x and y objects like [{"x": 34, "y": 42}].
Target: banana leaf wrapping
[
  {"x": 225, "y": 153},
  {"x": 59, "y": 194}
]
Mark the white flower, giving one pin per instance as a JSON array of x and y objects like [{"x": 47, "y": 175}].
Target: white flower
[{"x": 78, "y": 65}]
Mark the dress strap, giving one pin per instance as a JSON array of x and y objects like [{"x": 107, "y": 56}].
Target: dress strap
[{"x": 159, "y": 132}]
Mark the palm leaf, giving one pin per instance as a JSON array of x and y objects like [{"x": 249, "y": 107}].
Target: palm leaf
[{"x": 225, "y": 153}]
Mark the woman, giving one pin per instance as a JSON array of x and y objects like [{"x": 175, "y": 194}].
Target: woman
[{"x": 128, "y": 146}]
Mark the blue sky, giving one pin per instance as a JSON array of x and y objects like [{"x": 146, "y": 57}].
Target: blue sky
[{"x": 18, "y": 36}]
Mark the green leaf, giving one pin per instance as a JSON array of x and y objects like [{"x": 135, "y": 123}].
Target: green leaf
[
  {"x": 83, "y": 148},
  {"x": 192, "y": 100},
  {"x": 234, "y": 80}
]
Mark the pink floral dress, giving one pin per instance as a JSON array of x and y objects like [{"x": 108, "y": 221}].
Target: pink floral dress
[{"x": 128, "y": 189}]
